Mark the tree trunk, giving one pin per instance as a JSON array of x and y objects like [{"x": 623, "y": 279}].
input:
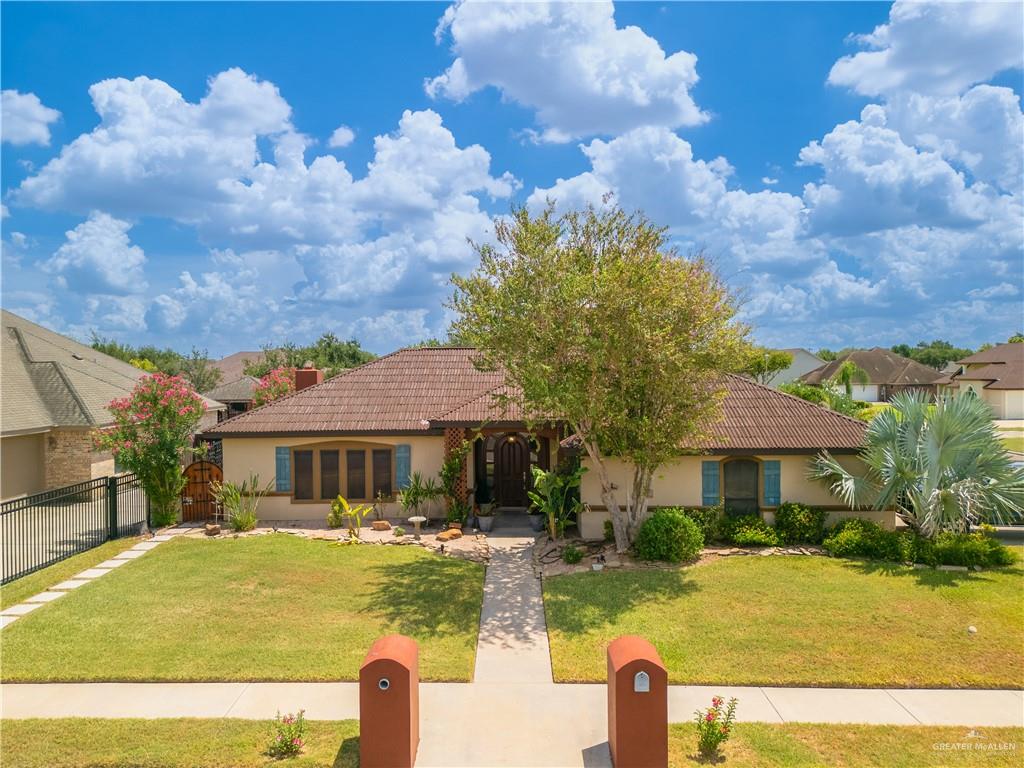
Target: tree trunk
[
  {"x": 619, "y": 523},
  {"x": 641, "y": 489}
]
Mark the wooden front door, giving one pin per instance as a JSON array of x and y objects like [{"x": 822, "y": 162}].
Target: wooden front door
[
  {"x": 197, "y": 501},
  {"x": 511, "y": 467}
]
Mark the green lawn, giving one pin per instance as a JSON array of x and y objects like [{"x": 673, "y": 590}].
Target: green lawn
[
  {"x": 802, "y": 745},
  {"x": 184, "y": 743},
  {"x": 26, "y": 586},
  {"x": 1014, "y": 444},
  {"x": 274, "y": 607},
  {"x": 796, "y": 621}
]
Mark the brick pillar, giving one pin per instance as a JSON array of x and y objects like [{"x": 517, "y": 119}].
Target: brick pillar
[
  {"x": 67, "y": 457},
  {"x": 453, "y": 437}
]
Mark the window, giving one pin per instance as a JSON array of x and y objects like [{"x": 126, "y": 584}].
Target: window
[
  {"x": 303, "y": 475},
  {"x": 741, "y": 483},
  {"x": 330, "y": 479},
  {"x": 381, "y": 472},
  {"x": 355, "y": 466}
]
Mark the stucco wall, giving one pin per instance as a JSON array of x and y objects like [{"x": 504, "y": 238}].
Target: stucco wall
[
  {"x": 243, "y": 455},
  {"x": 21, "y": 465},
  {"x": 679, "y": 484},
  {"x": 1013, "y": 404}
]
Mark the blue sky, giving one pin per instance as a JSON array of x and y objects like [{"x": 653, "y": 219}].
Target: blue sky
[{"x": 169, "y": 173}]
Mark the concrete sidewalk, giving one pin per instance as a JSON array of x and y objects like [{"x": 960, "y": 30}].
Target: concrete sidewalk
[{"x": 510, "y": 724}]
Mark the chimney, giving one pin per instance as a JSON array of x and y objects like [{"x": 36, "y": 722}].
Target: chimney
[{"x": 307, "y": 377}]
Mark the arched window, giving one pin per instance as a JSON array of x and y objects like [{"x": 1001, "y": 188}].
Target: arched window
[{"x": 741, "y": 486}]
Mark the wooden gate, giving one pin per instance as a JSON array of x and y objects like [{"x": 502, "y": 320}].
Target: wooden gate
[{"x": 197, "y": 501}]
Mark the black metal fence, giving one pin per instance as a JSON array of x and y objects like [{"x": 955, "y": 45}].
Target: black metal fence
[{"x": 41, "y": 529}]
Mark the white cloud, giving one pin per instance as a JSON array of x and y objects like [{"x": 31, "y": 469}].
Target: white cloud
[
  {"x": 571, "y": 63},
  {"x": 994, "y": 291},
  {"x": 342, "y": 137},
  {"x": 98, "y": 257},
  {"x": 937, "y": 48},
  {"x": 25, "y": 120},
  {"x": 769, "y": 181}
]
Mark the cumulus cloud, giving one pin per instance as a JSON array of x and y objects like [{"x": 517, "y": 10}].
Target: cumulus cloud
[
  {"x": 342, "y": 137},
  {"x": 26, "y": 120},
  {"x": 571, "y": 62},
  {"x": 99, "y": 257},
  {"x": 937, "y": 48}
]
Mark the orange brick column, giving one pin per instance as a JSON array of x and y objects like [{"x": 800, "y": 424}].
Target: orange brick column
[{"x": 637, "y": 704}]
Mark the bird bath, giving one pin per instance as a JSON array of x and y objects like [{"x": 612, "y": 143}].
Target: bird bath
[{"x": 417, "y": 521}]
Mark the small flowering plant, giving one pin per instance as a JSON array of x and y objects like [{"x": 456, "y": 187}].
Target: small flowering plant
[
  {"x": 276, "y": 384},
  {"x": 152, "y": 428},
  {"x": 714, "y": 726},
  {"x": 287, "y": 740}
]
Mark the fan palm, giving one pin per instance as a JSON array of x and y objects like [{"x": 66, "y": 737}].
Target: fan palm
[{"x": 941, "y": 467}]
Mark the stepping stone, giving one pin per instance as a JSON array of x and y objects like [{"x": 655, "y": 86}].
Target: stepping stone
[
  {"x": 91, "y": 573},
  {"x": 162, "y": 537},
  {"x": 5, "y": 620},
  {"x": 71, "y": 584},
  {"x": 21, "y": 609},
  {"x": 130, "y": 554},
  {"x": 111, "y": 563},
  {"x": 45, "y": 597},
  {"x": 145, "y": 546}
]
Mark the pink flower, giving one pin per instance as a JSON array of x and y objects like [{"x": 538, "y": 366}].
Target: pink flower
[
  {"x": 716, "y": 701},
  {"x": 710, "y": 717}
]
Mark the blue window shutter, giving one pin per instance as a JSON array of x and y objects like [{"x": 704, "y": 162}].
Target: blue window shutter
[
  {"x": 772, "y": 483},
  {"x": 283, "y": 470},
  {"x": 709, "y": 483},
  {"x": 403, "y": 465}
]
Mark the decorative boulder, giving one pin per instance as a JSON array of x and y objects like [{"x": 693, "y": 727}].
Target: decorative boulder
[
  {"x": 451, "y": 533},
  {"x": 380, "y": 525},
  {"x": 212, "y": 529}
]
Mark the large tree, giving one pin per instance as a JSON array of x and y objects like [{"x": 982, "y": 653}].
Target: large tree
[
  {"x": 764, "y": 363},
  {"x": 328, "y": 353},
  {"x": 199, "y": 371},
  {"x": 597, "y": 321}
]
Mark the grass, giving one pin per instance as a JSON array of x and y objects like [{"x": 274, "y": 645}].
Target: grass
[
  {"x": 33, "y": 583},
  {"x": 181, "y": 743},
  {"x": 802, "y": 745},
  {"x": 1014, "y": 444},
  {"x": 273, "y": 607},
  {"x": 796, "y": 621}
]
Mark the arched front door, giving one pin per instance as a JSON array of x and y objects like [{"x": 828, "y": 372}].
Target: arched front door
[{"x": 511, "y": 467}]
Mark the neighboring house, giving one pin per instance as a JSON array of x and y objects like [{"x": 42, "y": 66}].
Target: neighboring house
[
  {"x": 363, "y": 433},
  {"x": 53, "y": 393},
  {"x": 996, "y": 375},
  {"x": 232, "y": 367},
  {"x": 803, "y": 362},
  {"x": 237, "y": 395},
  {"x": 888, "y": 374}
]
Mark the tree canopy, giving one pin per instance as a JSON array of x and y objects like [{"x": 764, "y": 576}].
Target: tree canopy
[
  {"x": 764, "y": 363},
  {"x": 599, "y": 322},
  {"x": 937, "y": 353},
  {"x": 328, "y": 353}
]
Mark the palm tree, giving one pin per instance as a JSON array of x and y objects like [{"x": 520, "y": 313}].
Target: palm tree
[
  {"x": 942, "y": 467},
  {"x": 848, "y": 374}
]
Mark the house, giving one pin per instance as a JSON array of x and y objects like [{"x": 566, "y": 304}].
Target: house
[
  {"x": 363, "y": 432},
  {"x": 232, "y": 367},
  {"x": 237, "y": 395},
  {"x": 53, "y": 392},
  {"x": 996, "y": 375},
  {"x": 887, "y": 374},
  {"x": 803, "y": 362}
]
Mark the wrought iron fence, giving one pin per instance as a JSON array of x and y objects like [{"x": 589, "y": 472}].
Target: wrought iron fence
[{"x": 44, "y": 528}]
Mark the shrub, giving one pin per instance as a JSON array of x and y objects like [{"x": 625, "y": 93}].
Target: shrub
[
  {"x": 796, "y": 523},
  {"x": 863, "y": 538},
  {"x": 572, "y": 554},
  {"x": 707, "y": 519},
  {"x": 668, "y": 535},
  {"x": 714, "y": 726},
  {"x": 609, "y": 531},
  {"x": 287, "y": 740},
  {"x": 749, "y": 531},
  {"x": 399, "y": 530}
]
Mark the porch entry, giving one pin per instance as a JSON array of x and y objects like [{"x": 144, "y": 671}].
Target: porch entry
[{"x": 503, "y": 462}]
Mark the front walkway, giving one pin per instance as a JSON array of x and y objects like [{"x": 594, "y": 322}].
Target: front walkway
[{"x": 512, "y": 714}]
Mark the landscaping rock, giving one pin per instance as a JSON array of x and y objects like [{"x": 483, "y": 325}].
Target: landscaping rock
[
  {"x": 212, "y": 529},
  {"x": 972, "y": 630},
  {"x": 953, "y": 568},
  {"x": 380, "y": 525},
  {"x": 451, "y": 533}
]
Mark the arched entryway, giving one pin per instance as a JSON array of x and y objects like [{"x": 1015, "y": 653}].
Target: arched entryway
[
  {"x": 503, "y": 461},
  {"x": 511, "y": 470}
]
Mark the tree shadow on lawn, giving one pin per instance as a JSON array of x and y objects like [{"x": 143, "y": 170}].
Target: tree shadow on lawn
[
  {"x": 578, "y": 603},
  {"x": 429, "y": 596},
  {"x": 932, "y": 578}
]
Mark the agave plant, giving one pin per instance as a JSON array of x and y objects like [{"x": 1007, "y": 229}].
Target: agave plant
[{"x": 941, "y": 467}]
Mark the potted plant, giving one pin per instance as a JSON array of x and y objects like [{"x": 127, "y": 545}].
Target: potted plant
[{"x": 485, "y": 516}]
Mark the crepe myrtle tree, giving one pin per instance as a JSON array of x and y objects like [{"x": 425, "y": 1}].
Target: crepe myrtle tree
[
  {"x": 152, "y": 428},
  {"x": 274, "y": 385},
  {"x": 597, "y": 321},
  {"x": 942, "y": 467}
]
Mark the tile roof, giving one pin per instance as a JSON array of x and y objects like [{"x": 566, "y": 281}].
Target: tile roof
[
  {"x": 237, "y": 391},
  {"x": 1000, "y": 353},
  {"x": 417, "y": 390},
  {"x": 882, "y": 367},
  {"x": 1002, "y": 366}
]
